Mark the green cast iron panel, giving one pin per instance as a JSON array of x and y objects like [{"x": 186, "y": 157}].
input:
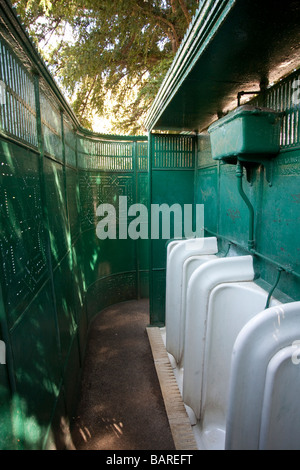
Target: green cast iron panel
[
  {"x": 103, "y": 258},
  {"x": 203, "y": 149},
  {"x": 72, "y": 375},
  {"x": 17, "y": 108},
  {"x": 206, "y": 193},
  {"x": 73, "y": 201},
  {"x": 275, "y": 201},
  {"x": 63, "y": 283},
  {"x": 22, "y": 244},
  {"x": 157, "y": 297},
  {"x": 172, "y": 182},
  {"x": 56, "y": 273},
  {"x": 6, "y": 424},
  {"x": 102, "y": 188},
  {"x": 142, "y": 198},
  {"x": 78, "y": 279},
  {"x": 37, "y": 368},
  {"x": 284, "y": 97},
  {"x": 280, "y": 211},
  {"x": 173, "y": 151},
  {"x": 51, "y": 127},
  {"x": 110, "y": 290},
  {"x": 142, "y": 156},
  {"x": 234, "y": 220},
  {"x": 56, "y": 209},
  {"x": 104, "y": 155},
  {"x": 170, "y": 187}
]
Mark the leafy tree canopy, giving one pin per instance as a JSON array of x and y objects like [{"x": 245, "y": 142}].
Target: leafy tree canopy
[{"x": 116, "y": 49}]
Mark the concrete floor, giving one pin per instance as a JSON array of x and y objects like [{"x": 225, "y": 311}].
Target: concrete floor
[{"x": 121, "y": 406}]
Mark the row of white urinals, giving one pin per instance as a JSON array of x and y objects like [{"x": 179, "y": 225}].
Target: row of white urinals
[{"x": 236, "y": 362}]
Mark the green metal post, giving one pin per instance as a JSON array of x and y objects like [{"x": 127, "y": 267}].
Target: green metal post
[
  {"x": 150, "y": 140},
  {"x": 136, "y": 242}
]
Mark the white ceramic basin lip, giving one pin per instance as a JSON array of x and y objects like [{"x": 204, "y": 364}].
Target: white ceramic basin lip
[
  {"x": 178, "y": 254},
  {"x": 171, "y": 245},
  {"x": 202, "y": 281},
  {"x": 257, "y": 343}
]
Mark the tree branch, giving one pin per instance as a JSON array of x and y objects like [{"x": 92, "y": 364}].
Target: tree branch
[
  {"x": 170, "y": 31},
  {"x": 173, "y": 36},
  {"x": 185, "y": 11},
  {"x": 85, "y": 103}
]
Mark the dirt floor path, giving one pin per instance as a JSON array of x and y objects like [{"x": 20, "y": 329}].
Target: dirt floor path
[{"x": 121, "y": 406}]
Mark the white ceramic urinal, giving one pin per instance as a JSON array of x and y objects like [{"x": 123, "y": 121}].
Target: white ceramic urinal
[
  {"x": 178, "y": 254},
  {"x": 189, "y": 266},
  {"x": 231, "y": 305},
  {"x": 264, "y": 408},
  {"x": 202, "y": 282}
]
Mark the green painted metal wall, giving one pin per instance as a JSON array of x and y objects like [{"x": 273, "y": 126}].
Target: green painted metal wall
[
  {"x": 56, "y": 274},
  {"x": 171, "y": 181},
  {"x": 273, "y": 192},
  {"x": 275, "y": 202}
]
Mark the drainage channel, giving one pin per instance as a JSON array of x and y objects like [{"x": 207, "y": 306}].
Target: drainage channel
[{"x": 179, "y": 422}]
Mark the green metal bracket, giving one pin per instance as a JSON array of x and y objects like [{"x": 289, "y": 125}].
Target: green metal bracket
[{"x": 250, "y": 167}]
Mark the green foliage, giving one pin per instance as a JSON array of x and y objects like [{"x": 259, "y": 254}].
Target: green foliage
[{"x": 109, "y": 56}]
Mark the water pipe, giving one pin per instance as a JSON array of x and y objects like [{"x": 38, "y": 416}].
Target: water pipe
[
  {"x": 239, "y": 174},
  {"x": 274, "y": 287},
  {"x": 241, "y": 93}
]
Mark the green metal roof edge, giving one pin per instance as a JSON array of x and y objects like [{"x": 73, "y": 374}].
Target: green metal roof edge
[
  {"x": 204, "y": 25},
  {"x": 113, "y": 137}
]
